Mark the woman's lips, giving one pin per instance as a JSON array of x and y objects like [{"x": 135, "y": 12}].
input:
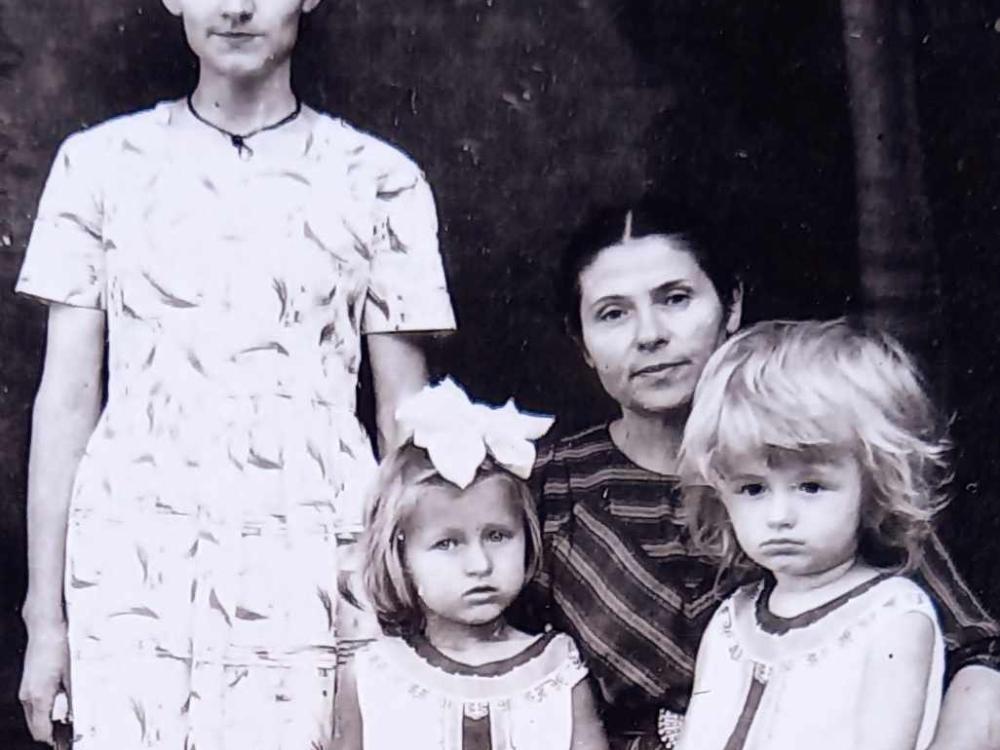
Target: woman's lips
[{"x": 657, "y": 369}]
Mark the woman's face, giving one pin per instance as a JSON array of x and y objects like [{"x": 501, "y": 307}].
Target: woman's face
[
  {"x": 241, "y": 38},
  {"x": 650, "y": 318}
]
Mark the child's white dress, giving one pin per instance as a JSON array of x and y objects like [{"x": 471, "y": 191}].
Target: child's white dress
[
  {"x": 769, "y": 683},
  {"x": 412, "y": 696},
  {"x": 202, "y": 533}
]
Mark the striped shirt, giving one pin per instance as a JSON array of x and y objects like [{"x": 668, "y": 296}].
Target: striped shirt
[{"x": 621, "y": 577}]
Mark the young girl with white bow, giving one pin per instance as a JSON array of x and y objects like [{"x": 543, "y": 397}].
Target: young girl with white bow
[{"x": 451, "y": 538}]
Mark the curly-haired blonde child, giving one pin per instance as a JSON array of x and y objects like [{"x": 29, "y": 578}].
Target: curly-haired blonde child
[
  {"x": 451, "y": 538},
  {"x": 813, "y": 452}
]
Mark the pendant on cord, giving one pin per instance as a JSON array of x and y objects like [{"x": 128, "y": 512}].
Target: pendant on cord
[
  {"x": 239, "y": 140},
  {"x": 240, "y": 144}
]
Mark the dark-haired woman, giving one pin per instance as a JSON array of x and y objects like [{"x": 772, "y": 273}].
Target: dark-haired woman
[{"x": 648, "y": 301}]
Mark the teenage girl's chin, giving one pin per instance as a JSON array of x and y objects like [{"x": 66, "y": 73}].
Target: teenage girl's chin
[{"x": 240, "y": 62}]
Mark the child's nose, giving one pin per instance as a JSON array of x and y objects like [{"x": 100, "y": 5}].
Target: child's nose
[
  {"x": 781, "y": 509},
  {"x": 477, "y": 560}
]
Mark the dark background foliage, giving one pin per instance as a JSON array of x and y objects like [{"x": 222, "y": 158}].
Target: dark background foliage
[{"x": 525, "y": 113}]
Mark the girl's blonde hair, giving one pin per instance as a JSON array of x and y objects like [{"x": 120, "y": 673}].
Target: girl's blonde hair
[
  {"x": 816, "y": 387},
  {"x": 403, "y": 476}
]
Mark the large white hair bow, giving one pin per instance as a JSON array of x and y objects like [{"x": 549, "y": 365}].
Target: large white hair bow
[{"x": 457, "y": 433}]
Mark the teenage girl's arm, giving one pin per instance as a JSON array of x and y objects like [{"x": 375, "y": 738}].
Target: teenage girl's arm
[
  {"x": 588, "y": 732},
  {"x": 66, "y": 410},
  {"x": 399, "y": 369},
  {"x": 347, "y": 712},
  {"x": 894, "y": 688}
]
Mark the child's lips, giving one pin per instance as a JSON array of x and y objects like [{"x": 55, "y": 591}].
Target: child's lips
[
  {"x": 481, "y": 592},
  {"x": 782, "y": 546}
]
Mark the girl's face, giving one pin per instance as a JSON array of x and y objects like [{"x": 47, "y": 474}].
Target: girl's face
[
  {"x": 465, "y": 551},
  {"x": 796, "y": 516},
  {"x": 241, "y": 38},
  {"x": 650, "y": 318}
]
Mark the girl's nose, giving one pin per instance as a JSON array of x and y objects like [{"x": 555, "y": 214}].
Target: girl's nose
[
  {"x": 238, "y": 10},
  {"x": 477, "y": 560},
  {"x": 780, "y": 510},
  {"x": 650, "y": 331}
]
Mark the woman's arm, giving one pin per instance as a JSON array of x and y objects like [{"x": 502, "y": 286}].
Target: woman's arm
[
  {"x": 66, "y": 409},
  {"x": 894, "y": 687},
  {"x": 347, "y": 734},
  {"x": 970, "y": 716},
  {"x": 399, "y": 369},
  {"x": 588, "y": 732}
]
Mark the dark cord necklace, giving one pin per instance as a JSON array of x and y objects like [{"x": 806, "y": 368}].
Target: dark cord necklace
[{"x": 239, "y": 140}]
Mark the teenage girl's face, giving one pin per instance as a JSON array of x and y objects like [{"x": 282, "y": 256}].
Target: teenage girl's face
[
  {"x": 241, "y": 38},
  {"x": 796, "y": 516},
  {"x": 465, "y": 551},
  {"x": 650, "y": 319}
]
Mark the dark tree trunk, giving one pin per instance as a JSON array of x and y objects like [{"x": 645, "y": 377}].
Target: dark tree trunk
[{"x": 899, "y": 273}]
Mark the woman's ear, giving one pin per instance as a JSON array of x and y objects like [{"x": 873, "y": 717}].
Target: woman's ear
[
  {"x": 173, "y": 6},
  {"x": 734, "y": 310}
]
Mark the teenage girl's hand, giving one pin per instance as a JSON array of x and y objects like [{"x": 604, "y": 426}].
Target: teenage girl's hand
[{"x": 46, "y": 672}]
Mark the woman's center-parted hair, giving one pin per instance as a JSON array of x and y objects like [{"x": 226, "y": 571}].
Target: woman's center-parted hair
[
  {"x": 717, "y": 249},
  {"x": 818, "y": 388},
  {"x": 403, "y": 476}
]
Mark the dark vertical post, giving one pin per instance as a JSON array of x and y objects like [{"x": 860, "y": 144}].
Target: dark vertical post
[{"x": 899, "y": 271}]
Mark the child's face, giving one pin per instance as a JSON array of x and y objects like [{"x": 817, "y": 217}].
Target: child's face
[
  {"x": 241, "y": 38},
  {"x": 465, "y": 550},
  {"x": 796, "y": 516}
]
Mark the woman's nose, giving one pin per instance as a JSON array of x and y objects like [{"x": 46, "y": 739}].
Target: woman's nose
[
  {"x": 650, "y": 330},
  {"x": 477, "y": 560}
]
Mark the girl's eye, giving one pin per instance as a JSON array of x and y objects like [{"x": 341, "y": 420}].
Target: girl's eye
[
  {"x": 497, "y": 536},
  {"x": 445, "y": 544},
  {"x": 751, "y": 489},
  {"x": 811, "y": 488}
]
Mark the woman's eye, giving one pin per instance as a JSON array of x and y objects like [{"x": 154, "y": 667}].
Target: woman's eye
[
  {"x": 497, "y": 536},
  {"x": 751, "y": 489},
  {"x": 445, "y": 544},
  {"x": 610, "y": 314},
  {"x": 811, "y": 488},
  {"x": 676, "y": 299}
]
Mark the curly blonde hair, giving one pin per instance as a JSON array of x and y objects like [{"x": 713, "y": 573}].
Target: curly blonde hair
[
  {"x": 813, "y": 387},
  {"x": 403, "y": 476}
]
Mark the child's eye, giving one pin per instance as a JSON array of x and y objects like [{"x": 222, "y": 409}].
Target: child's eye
[
  {"x": 445, "y": 544},
  {"x": 811, "y": 488},
  {"x": 751, "y": 489},
  {"x": 497, "y": 535}
]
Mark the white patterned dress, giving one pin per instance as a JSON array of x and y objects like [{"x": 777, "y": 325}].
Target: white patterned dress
[
  {"x": 765, "y": 682},
  {"x": 202, "y": 538},
  {"x": 410, "y": 695}
]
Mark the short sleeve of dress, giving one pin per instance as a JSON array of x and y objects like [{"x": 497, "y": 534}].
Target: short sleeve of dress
[
  {"x": 64, "y": 261},
  {"x": 407, "y": 290},
  {"x": 572, "y": 668}
]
